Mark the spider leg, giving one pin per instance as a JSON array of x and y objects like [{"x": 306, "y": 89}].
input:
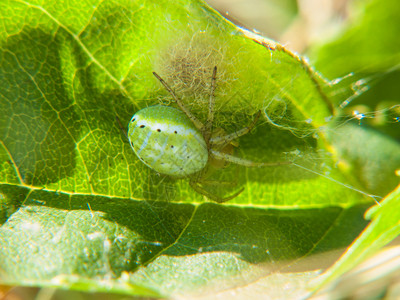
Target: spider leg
[
  {"x": 199, "y": 125},
  {"x": 245, "y": 162},
  {"x": 211, "y": 196},
  {"x": 210, "y": 118},
  {"x": 230, "y": 137}
]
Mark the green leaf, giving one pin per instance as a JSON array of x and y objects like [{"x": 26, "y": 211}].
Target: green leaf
[
  {"x": 369, "y": 43},
  {"x": 79, "y": 238},
  {"x": 366, "y": 135},
  {"x": 368, "y": 49},
  {"x": 79, "y": 209},
  {"x": 384, "y": 228},
  {"x": 375, "y": 169}
]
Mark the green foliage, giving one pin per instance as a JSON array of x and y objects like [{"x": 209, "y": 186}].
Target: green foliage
[
  {"x": 369, "y": 48},
  {"x": 384, "y": 228},
  {"x": 368, "y": 45},
  {"x": 80, "y": 211}
]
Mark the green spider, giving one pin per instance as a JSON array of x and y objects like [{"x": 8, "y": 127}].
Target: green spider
[{"x": 174, "y": 142}]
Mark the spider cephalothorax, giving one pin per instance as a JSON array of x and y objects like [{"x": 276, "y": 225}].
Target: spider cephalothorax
[{"x": 174, "y": 142}]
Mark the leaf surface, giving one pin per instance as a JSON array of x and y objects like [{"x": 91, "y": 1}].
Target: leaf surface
[{"x": 80, "y": 210}]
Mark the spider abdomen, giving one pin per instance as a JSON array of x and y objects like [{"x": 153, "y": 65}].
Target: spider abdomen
[{"x": 167, "y": 141}]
